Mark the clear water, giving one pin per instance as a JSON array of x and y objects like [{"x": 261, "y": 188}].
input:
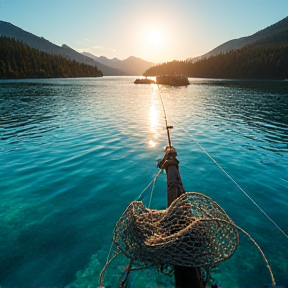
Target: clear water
[{"x": 75, "y": 152}]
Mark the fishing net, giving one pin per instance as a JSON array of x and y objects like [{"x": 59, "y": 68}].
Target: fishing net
[{"x": 194, "y": 231}]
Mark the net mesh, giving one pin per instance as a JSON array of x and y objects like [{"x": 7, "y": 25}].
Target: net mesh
[{"x": 194, "y": 231}]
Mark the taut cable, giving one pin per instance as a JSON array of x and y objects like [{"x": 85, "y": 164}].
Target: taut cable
[{"x": 234, "y": 181}]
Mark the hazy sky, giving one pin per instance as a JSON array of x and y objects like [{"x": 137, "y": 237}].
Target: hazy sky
[{"x": 154, "y": 30}]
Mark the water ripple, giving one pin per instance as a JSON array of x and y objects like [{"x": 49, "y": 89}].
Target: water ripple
[{"x": 75, "y": 152}]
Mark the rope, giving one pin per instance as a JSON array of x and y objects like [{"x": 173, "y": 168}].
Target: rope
[
  {"x": 152, "y": 190},
  {"x": 108, "y": 256},
  {"x": 234, "y": 181},
  {"x": 262, "y": 253},
  {"x": 104, "y": 269},
  {"x": 254, "y": 242},
  {"x": 154, "y": 180},
  {"x": 108, "y": 261}
]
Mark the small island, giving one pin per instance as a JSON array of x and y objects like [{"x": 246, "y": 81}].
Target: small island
[
  {"x": 144, "y": 81},
  {"x": 172, "y": 80}
]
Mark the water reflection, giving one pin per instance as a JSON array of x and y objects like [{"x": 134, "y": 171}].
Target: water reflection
[
  {"x": 154, "y": 116},
  {"x": 152, "y": 143}
]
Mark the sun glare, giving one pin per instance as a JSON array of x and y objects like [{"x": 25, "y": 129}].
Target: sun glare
[
  {"x": 152, "y": 143},
  {"x": 154, "y": 37},
  {"x": 153, "y": 119}
]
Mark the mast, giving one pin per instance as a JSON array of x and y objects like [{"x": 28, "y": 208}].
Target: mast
[{"x": 185, "y": 277}]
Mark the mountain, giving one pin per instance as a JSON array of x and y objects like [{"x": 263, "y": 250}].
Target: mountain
[
  {"x": 102, "y": 59},
  {"x": 130, "y": 66},
  {"x": 254, "y": 61},
  {"x": 19, "y": 61},
  {"x": 133, "y": 65},
  {"x": 277, "y": 28},
  {"x": 40, "y": 43}
]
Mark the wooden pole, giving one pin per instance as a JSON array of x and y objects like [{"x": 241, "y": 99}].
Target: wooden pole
[{"x": 185, "y": 277}]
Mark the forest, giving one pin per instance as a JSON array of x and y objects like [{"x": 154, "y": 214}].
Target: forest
[
  {"x": 254, "y": 61},
  {"x": 18, "y": 60}
]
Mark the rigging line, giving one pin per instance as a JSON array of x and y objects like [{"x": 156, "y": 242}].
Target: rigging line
[
  {"x": 109, "y": 260},
  {"x": 167, "y": 127},
  {"x": 108, "y": 256},
  {"x": 104, "y": 269},
  {"x": 153, "y": 180},
  {"x": 152, "y": 190},
  {"x": 234, "y": 181},
  {"x": 249, "y": 236}
]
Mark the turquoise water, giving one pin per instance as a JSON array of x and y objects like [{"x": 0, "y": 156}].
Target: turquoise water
[{"x": 75, "y": 152}]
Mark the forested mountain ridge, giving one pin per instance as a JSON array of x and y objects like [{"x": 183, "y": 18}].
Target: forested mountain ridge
[
  {"x": 40, "y": 43},
  {"x": 276, "y": 38},
  {"x": 109, "y": 67},
  {"x": 254, "y": 61},
  {"x": 243, "y": 41},
  {"x": 18, "y": 60}
]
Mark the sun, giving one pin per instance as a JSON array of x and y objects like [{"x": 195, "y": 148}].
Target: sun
[{"x": 154, "y": 37}]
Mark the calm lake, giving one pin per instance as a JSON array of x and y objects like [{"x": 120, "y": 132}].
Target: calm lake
[{"x": 76, "y": 152}]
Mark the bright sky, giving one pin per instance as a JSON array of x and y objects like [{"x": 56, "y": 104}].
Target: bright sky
[{"x": 154, "y": 30}]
